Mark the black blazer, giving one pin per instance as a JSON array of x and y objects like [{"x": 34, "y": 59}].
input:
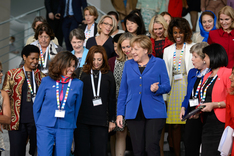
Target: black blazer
[
  {"x": 76, "y": 6},
  {"x": 83, "y": 27}
]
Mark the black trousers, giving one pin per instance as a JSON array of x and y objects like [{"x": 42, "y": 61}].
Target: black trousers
[
  {"x": 90, "y": 140},
  {"x": 192, "y": 137},
  {"x": 145, "y": 136},
  {"x": 56, "y": 25},
  {"x": 19, "y": 138}
]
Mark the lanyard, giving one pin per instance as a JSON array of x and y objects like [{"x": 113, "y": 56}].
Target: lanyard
[
  {"x": 200, "y": 75},
  {"x": 203, "y": 95},
  {"x": 197, "y": 90},
  {"x": 174, "y": 58},
  {"x": 66, "y": 95},
  {"x": 42, "y": 58},
  {"x": 99, "y": 83},
  {"x": 33, "y": 92}
]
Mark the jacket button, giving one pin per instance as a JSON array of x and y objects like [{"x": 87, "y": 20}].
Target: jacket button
[
  {"x": 140, "y": 77},
  {"x": 140, "y": 85},
  {"x": 139, "y": 92}
]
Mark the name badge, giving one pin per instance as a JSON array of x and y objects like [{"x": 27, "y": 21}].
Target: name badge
[
  {"x": 178, "y": 77},
  {"x": 33, "y": 99},
  {"x": 45, "y": 71},
  {"x": 97, "y": 102},
  {"x": 59, "y": 113},
  {"x": 193, "y": 102}
]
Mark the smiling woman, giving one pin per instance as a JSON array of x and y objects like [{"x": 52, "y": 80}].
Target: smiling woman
[
  {"x": 178, "y": 62},
  {"x": 207, "y": 22},
  {"x": 57, "y": 105},
  {"x": 224, "y": 35},
  {"x": 77, "y": 39},
  {"x": 158, "y": 31},
  {"x": 140, "y": 97},
  {"x": 98, "y": 108},
  {"x": 21, "y": 84},
  {"x": 106, "y": 26}
]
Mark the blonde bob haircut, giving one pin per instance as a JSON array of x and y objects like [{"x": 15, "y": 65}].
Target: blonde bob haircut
[
  {"x": 143, "y": 41},
  {"x": 160, "y": 20},
  {"x": 92, "y": 11},
  {"x": 114, "y": 27},
  {"x": 197, "y": 48},
  {"x": 229, "y": 11},
  {"x": 126, "y": 36}
]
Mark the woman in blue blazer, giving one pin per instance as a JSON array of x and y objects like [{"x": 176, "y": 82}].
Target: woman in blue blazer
[
  {"x": 140, "y": 100},
  {"x": 193, "y": 127},
  {"x": 57, "y": 105}
]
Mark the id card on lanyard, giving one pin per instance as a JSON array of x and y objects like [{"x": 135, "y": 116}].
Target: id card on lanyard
[
  {"x": 178, "y": 76},
  {"x": 44, "y": 61},
  {"x": 97, "y": 99},
  {"x": 33, "y": 92},
  {"x": 60, "y": 112},
  {"x": 194, "y": 101}
]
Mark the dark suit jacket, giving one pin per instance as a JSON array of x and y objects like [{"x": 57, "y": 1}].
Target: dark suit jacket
[
  {"x": 76, "y": 6},
  {"x": 83, "y": 27},
  {"x": 51, "y": 6}
]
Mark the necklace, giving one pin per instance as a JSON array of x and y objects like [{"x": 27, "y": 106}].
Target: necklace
[
  {"x": 95, "y": 75},
  {"x": 142, "y": 65}
]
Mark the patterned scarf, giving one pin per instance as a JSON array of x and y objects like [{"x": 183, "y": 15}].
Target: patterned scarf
[{"x": 64, "y": 79}]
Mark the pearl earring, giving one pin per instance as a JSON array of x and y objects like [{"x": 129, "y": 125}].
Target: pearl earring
[{"x": 204, "y": 62}]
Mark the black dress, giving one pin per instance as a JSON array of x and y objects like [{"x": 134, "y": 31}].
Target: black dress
[
  {"x": 212, "y": 127},
  {"x": 108, "y": 45}
]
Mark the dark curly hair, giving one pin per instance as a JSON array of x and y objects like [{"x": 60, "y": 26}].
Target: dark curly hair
[
  {"x": 44, "y": 27},
  {"x": 60, "y": 62},
  {"x": 184, "y": 27},
  {"x": 89, "y": 59}
]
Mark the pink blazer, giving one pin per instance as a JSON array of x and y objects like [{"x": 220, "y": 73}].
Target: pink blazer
[{"x": 220, "y": 90}]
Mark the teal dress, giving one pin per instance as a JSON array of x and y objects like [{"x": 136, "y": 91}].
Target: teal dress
[{"x": 149, "y": 8}]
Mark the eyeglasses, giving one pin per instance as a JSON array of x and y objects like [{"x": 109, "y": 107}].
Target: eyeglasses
[{"x": 107, "y": 24}]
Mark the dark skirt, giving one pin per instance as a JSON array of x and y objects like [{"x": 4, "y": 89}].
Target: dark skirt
[{"x": 211, "y": 134}]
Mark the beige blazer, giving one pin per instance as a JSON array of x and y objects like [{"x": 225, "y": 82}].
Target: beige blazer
[{"x": 168, "y": 58}]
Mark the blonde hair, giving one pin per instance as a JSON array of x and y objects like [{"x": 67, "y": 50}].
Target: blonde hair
[
  {"x": 113, "y": 23},
  {"x": 197, "y": 48},
  {"x": 160, "y": 20},
  {"x": 227, "y": 10},
  {"x": 143, "y": 41},
  {"x": 92, "y": 11},
  {"x": 123, "y": 37}
]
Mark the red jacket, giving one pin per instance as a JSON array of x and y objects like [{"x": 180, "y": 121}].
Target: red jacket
[
  {"x": 220, "y": 90},
  {"x": 226, "y": 40},
  {"x": 230, "y": 115}
]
